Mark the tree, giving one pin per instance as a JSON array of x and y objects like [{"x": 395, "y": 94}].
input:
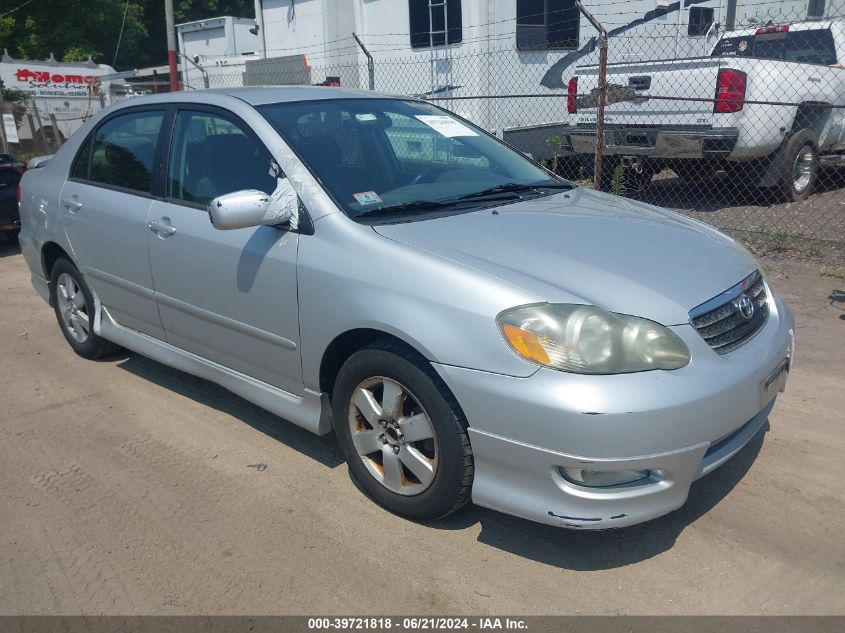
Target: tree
[{"x": 73, "y": 30}]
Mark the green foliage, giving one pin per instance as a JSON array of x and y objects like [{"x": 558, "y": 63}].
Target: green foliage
[
  {"x": 73, "y": 30},
  {"x": 10, "y": 94},
  {"x": 779, "y": 239},
  {"x": 617, "y": 183}
]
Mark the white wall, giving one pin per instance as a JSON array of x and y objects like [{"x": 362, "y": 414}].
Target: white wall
[{"x": 486, "y": 62}]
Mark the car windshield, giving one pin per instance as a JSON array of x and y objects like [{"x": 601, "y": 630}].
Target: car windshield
[{"x": 395, "y": 158}]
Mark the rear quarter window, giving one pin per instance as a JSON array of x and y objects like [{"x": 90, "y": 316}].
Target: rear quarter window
[{"x": 734, "y": 46}]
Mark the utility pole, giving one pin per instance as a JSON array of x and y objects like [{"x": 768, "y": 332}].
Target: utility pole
[{"x": 171, "y": 46}]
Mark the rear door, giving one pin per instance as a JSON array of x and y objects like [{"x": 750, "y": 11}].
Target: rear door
[
  {"x": 228, "y": 296},
  {"x": 104, "y": 209}
]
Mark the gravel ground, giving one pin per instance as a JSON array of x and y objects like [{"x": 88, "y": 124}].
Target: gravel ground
[{"x": 127, "y": 487}]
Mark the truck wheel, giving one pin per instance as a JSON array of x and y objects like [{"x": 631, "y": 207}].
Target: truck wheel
[
  {"x": 74, "y": 307},
  {"x": 403, "y": 434},
  {"x": 800, "y": 166}
]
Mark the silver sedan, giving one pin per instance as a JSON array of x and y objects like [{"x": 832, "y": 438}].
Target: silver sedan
[{"x": 470, "y": 326}]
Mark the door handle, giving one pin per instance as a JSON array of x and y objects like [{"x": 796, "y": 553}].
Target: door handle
[
  {"x": 72, "y": 204},
  {"x": 162, "y": 227}
]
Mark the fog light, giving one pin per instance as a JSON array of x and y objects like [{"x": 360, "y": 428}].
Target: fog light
[{"x": 603, "y": 478}]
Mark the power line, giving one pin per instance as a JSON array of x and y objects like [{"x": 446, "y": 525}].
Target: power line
[
  {"x": 17, "y": 8},
  {"x": 120, "y": 35}
]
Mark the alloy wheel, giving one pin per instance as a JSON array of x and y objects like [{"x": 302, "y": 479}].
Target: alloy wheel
[
  {"x": 802, "y": 169},
  {"x": 393, "y": 435},
  {"x": 72, "y": 308}
]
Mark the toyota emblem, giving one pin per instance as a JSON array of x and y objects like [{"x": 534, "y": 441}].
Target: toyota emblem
[{"x": 744, "y": 307}]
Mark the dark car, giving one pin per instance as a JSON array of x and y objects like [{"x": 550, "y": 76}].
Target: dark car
[{"x": 11, "y": 170}]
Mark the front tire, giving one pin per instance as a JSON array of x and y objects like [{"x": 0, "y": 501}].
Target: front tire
[
  {"x": 402, "y": 432},
  {"x": 74, "y": 306}
]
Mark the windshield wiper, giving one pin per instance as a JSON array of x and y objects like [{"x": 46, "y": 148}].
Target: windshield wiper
[
  {"x": 413, "y": 205},
  {"x": 515, "y": 187}
]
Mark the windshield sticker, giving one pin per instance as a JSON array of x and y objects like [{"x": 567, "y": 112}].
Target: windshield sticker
[
  {"x": 366, "y": 116},
  {"x": 366, "y": 197},
  {"x": 445, "y": 125}
]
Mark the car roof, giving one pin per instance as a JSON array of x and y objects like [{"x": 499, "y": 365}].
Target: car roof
[{"x": 260, "y": 95}]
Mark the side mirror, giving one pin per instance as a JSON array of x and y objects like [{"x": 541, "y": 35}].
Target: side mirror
[{"x": 251, "y": 207}]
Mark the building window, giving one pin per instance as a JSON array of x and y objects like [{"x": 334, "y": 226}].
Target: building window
[
  {"x": 546, "y": 24},
  {"x": 815, "y": 9},
  {"x": 700, "y": 20},
  {"x": 434, "y": 22}
]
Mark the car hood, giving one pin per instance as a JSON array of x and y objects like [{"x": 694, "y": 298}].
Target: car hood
[{"x": 587, "y": 247}]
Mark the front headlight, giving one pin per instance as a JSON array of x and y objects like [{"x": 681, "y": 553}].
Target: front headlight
[{"x": 584, "y": 339}]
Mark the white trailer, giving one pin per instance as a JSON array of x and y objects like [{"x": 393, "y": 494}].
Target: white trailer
[{"x": 453, "y": 49}]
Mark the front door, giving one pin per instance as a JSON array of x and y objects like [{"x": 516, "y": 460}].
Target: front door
[
  {"x": 228, "y": 296},
  {"x": 105, "y": 203}
]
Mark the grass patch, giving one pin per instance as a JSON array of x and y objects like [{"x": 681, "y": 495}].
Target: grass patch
[{"x": 837, "y": 272}]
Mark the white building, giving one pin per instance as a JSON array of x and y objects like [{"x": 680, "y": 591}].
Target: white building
[{"x": 454, "y": 49}]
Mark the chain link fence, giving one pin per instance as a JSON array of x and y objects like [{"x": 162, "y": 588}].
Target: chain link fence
[{"x": 743, "y": 128}]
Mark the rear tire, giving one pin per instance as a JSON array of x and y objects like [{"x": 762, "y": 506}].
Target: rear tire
[
  {"x": 799, "y": 166},
  {"x": 74, "y": 306},
  {"x": 402, "y": 432},
  {"x": 12, "y": 235}
]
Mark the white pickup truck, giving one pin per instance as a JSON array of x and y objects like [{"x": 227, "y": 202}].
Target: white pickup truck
[{"x": 768, "y": 105}]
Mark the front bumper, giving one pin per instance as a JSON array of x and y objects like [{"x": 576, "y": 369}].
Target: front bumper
[
  {"x": 679, "y": 425},
  {"x": 656, "y": 142}
]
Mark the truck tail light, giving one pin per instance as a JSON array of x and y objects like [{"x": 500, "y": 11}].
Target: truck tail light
[
  {"x": 730, "y": 90},
  {"x": 571, "y": 95},
  {"x": 772, "y": 28},
  {"x": 18, "y": 194}
]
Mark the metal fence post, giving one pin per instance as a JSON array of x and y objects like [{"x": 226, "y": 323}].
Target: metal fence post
[
  {"x": 57, "y": 134},
  {"x": 602, "y": 93},
  {"x": 3, "y": 127},
  {"x": 45, "y": 142},
  {"x": 371, "y": 67}
]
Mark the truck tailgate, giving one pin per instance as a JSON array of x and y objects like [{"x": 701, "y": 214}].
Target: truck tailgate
[{"x": 631, "y": 84}]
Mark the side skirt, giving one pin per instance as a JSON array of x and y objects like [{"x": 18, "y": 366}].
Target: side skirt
[{"x": 310, "y": 411}]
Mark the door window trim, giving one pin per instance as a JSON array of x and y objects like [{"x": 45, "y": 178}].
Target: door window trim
[{"x": 153, "y": 193}]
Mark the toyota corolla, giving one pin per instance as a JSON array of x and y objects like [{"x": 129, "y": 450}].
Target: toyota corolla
[{"x": 470, "y": 326}]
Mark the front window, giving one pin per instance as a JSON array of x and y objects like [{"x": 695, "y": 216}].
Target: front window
[
  {"x": 700, "y": 20},
  {"x": 212, "y": 155},
  {"x": 815, "y": 9},
  {"x": 391, "y": 157},
  {"x": 434, "y": 22},
  {"x": 547, "y": 24}
]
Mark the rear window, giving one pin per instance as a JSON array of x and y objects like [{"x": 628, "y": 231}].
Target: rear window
[{"x": 806, "y": 47}]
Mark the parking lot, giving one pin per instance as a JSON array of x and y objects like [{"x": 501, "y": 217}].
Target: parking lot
[{"x": 128, "y": 487}]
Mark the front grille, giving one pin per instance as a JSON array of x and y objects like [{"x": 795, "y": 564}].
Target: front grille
[{"x": 720, "y": 321}]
